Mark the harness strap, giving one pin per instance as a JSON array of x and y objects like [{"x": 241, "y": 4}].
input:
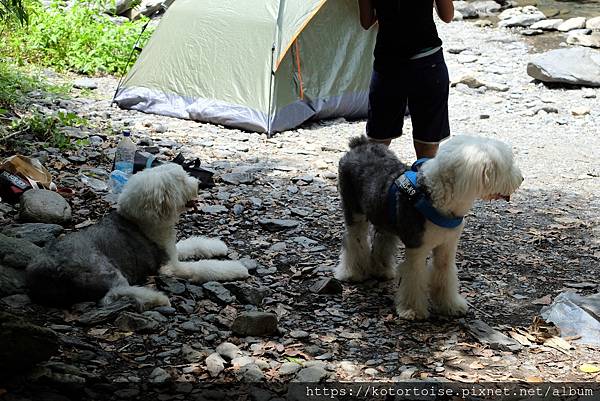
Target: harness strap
[{"x": 407, "y": 183}]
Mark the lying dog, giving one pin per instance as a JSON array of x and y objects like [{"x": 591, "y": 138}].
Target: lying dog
[
  {"x": 424, "y": 209},
  {"x": 104, "y": 261}
]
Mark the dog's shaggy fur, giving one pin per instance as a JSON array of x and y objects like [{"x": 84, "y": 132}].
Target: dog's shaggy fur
[
  {"x": 465, "y": 169},
  {"x": 105, "y": 261}
]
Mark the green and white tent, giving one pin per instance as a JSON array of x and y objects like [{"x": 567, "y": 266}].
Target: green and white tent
[{"x": 258, "y": 65}]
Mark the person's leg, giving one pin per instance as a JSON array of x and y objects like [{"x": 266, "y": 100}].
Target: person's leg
[
  {"x": 427, "y": 150},
  {"x": 387, "y": 102},
  {"x": 428, "y": 103}
]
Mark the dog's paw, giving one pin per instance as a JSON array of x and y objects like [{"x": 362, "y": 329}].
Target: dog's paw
[
  {"x": 201, "y": 247},
  {"x": 455, "y": 306},
  {"x": 412, "y": 314},
  {"x": 342, "y": 273},
  {"x": 235, "y": 271},
  {"x": 155, "y": 301}
]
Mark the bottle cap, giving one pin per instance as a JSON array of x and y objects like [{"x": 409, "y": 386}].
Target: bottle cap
[{"x": 126, "y": 133}]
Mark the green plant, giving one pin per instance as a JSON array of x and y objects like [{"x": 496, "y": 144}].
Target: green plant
[
  {"x": 13, "y": 9},
  {"x": 80, "y": 38},
  {"x": 16, "y": 84},
  {"x": 46, "y": 128}
]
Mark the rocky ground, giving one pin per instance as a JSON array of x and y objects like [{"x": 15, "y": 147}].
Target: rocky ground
[{"x": 276, "y": 206}]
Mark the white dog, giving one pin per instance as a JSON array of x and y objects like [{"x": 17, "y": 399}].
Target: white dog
[
  {"x": 424, "y": 208},
  {"x": 105, "y": 261}
]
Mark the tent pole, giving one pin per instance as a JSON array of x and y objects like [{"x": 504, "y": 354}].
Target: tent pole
[{"x": 272, "y": 73}]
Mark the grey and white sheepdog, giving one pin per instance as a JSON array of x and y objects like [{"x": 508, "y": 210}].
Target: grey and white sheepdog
[
  {"x": 465, "y": 169},
  {"x": 110, "y": 259}
]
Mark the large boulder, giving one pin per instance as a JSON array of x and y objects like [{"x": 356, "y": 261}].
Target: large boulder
[
  {"x": 43, "y": 206},
  {"x": 17, "y": 252},
  {"x": 37, "y": 233},
  {"x": 576, "y": 66},
  {"x": 12, "y": 281},
  {"x": 23, "y": 345}
]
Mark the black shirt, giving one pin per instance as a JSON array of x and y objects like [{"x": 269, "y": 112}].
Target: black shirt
[{"x": 405, "y": 28}]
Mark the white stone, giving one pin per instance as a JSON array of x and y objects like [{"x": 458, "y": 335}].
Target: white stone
[
  {"x": 585, "y": 40},
  {"x": 572, "y": 23},
  {"x": 547, "y": 24},
  {"x": 580, "y": 111},
  {"x": 593, "y": 24}
]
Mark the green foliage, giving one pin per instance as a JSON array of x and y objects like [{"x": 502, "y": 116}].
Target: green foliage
[
  {"x": 16, "y": 84},
  {"x": 47, "y": 128},
  {"x": 13, "y": 10},
  {"x": 81, "y": 39}
]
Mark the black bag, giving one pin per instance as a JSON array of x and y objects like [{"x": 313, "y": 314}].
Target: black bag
[{"x": 204, "y": 176}]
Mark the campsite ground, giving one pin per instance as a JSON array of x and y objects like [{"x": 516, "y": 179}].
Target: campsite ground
[{"x": 514, "y": 257}]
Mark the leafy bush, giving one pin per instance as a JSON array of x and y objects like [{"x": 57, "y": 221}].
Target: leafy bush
[{"x": 80, "y": 38}]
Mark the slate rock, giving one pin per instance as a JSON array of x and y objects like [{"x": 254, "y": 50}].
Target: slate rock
[
  {"x": 36, "y": 233},
  {"x": 170, "y": 285},
  {"x": 247, "y": 293},
  {"x": 250, "y": 373},
  {"x": 106, "y": 313},
  {"x": 43, "y": 206},
  {"x": 229, "y": 350},
  {"x": 214, "y": 364},
  {"x": 12, "y": 281},
  {"x": 129, "y": 321},
  {"x": 159, "y": 376},
  {"x": 23, "y": 345},
  {"x": 238, "y": 178},
  {"x": 313, "y": 374},
  {"x": 576, "y": 66},
  {"x": 17, "y": 252},
  {"x": 289, "y": 368},
  {"x": 218, "y": 292},
  {"x": 489, "y": 336},
  {"x": 278, "y": 224},
  {"x": 327, "y": 286},
  {"x": 255, "y": 324}
]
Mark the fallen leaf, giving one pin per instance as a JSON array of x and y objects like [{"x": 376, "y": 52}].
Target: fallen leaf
[
  {"x": 476, "y": 365},
  {"x": 559, "y": 344},
  {"x": 589, "y": 368},
  {"x": 520, "y": 338}
]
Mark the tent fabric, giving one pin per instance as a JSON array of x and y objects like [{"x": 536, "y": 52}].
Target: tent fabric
[{"x": 263, "y": 66}]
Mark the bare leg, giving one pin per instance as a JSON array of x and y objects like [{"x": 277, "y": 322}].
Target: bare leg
[
  {"x": 444, "y": 281},
  {"x": 383, "y": 255},
  {"x": 425, "y": 149},
  {"x": 412, "y": 296},
  {"x": 354, "y": 258}
]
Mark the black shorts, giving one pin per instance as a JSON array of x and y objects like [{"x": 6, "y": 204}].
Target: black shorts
[{"x": 422, "y": 84}]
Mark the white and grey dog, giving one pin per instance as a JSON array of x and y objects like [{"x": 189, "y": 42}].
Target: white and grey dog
[
  {"x": 107, "y": 260},
  {"x": 374, "y": 189}
]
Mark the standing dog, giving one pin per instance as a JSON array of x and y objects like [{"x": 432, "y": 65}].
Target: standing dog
[
  {"x": 105, "y": 261},
  {"x": 424, "y": 211}
]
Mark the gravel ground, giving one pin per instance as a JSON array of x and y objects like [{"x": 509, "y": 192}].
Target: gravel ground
[{"x": 513, "y": 257}]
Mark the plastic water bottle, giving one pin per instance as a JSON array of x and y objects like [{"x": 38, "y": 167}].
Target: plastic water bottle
[{"x": 124, "y": 159}]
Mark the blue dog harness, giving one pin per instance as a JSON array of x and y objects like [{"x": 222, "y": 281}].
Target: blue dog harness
[{"x": 407, "y": 183}]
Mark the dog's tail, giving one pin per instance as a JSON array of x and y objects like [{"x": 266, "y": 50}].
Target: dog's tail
[
  {"x": 202, "y": 271},
  {"x": 358, "y": 141}
]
